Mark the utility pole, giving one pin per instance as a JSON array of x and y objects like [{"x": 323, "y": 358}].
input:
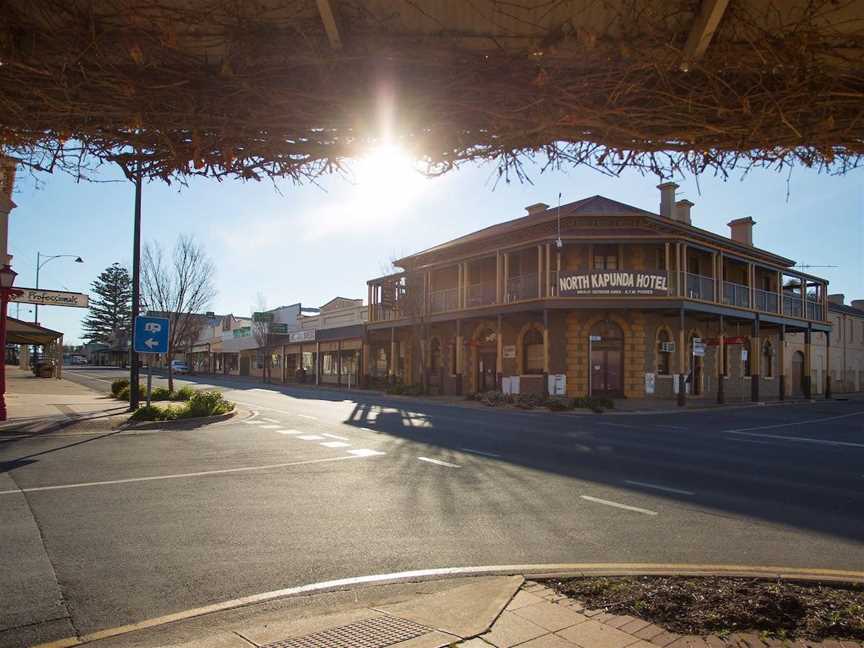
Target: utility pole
[{"x": 134, "y": 370}]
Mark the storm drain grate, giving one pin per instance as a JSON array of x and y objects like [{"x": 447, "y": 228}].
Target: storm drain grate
[{"x": 376, "y": 632}]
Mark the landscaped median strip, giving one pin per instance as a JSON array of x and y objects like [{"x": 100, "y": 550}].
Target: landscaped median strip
[{"x": 528, "y": 570}]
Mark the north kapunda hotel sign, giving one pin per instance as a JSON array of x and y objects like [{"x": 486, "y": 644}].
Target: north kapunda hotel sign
[{"x": 613, "y": 282}]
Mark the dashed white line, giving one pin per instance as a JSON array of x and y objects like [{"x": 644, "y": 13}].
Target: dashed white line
[
  {"x": 179, "y": 475},
  {"x": 783, "y": 437},
  {"x": 334, "y": 436},
  {"x": 289, "y": 432},
  {"x": 307, "y": 416},
  {"x": 659, "y": 487},
  {"x": 438, "y": 462},
  {"x": 310, "y": 437},
  {"x": 269, "y": 420},
  {"x": 270, "y": 427},
  {"x": 365, "y": 452},
  {"x": 479, "y": 452},
  {"x": 336, "y": 444},
  {"x": 626, "y": 507}
]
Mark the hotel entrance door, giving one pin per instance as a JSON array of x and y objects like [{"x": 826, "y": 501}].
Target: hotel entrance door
[{"x": 607, "y": 360}]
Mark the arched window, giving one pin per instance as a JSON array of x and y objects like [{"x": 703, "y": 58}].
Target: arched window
[
  {"x": 435, "y": 353},
  {"x": 532, "y": 351},
  {"x": 767, "y": 359},
  {"x": 664, "y": 353}
]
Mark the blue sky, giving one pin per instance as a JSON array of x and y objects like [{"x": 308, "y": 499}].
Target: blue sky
[{"x": 311, "y": 243}]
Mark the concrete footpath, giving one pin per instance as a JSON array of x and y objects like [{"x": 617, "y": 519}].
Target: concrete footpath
[
  {"x": 36, "y": 404},
  {"x": 467, "y": 612}
]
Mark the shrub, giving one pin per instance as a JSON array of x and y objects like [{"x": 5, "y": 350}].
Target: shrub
[
  {"x": 183, "y": 394},
  {"x": 594, "y": 404},
  {"x": 155, "y": 413},
  {"x": 405, "y": 390},
  {"x": 206, "y": 403},
  {"x": 117, "y": 386},
  {"x": 495, "y": 398},
  {"x": 160, "y": 394},
  {"x": 124, "y": 393},
  {"x": 556, "y": 404}
]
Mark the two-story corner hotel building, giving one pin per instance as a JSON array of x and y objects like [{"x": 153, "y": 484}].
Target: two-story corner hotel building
[{"x": 603, "y": 298}]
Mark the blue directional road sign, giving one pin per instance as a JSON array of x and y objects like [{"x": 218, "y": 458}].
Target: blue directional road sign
[{"x": 151, "y": 334}]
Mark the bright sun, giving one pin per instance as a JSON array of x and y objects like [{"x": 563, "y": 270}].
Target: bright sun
[{"x": 387, "y": 171}]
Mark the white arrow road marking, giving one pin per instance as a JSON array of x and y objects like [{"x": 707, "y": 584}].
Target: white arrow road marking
[
  {"x": 438, "y": 462},
  {"x": 185, "y": 475},
  {"x": 635, "y": 509},
  {"x": 478, "y": 452},
  {"x": 306, "y": 416},
  {"x": 783, "y": 437},
  {"x": 335, "y": 436},
  {"x": 336, "y": 444},
  {"x": 311, "y": 437},
  {"x": 289, "y": 432},
  {"x": 365, "y": 452},
  {"x": 658, "y": 487}
]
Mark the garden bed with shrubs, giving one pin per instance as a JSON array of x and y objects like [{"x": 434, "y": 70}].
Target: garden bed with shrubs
[
  {"x": 185, "y": 403},
  {"x": 533, "y": 401}
]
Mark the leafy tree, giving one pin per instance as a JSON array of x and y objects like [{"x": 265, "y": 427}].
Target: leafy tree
[{"x": 110, "y": 317}]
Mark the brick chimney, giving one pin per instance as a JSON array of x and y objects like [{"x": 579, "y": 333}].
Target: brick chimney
[
  {"x": 536, "y": 208},
  {"x": 667, "y": 199},
  {"x": 837, "y": 298},
  {"x": 681, "y": 212},
  {"x": 741, "y": 230},
  {"x": 858, "y": 303}
]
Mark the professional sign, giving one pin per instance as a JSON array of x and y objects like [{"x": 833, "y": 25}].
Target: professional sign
[
  {"x": 698, "y": 348},
  {"x": 279, "y": 328},
  {"x": 613, "y": 282},
  {"x": 262, "y": 317},
  {"x": 508, "y": 351},
  {"x": 151, "y": 334},
  {"x": 302, "y": 336},
  {"x": 50, "y": 297}
]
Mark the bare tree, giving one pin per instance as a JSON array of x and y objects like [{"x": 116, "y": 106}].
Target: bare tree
[
  {"x": 179, "y": 288},
  {"x": 263, "y": 337}
]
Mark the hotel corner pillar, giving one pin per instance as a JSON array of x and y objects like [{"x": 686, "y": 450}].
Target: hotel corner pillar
[
  {"x": 546, "y": 351},
  {"x": 682, "y": 361},
  {"x": 391, "y": 368},
  {"x": 721, "y": 363},
  {"x": 827, "y": 365},
  {"x": 499, "y": 361},
  {"x": 460, "y": 350},
  {"x": 755, "y": 357},
  {"x": 781, "y": 362},
  {"x": 808, "y": 362}
]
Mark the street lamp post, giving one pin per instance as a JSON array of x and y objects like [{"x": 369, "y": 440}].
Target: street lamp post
[
  {"x": 7, "y": 279},
  {"x": 39, "y": 264}
]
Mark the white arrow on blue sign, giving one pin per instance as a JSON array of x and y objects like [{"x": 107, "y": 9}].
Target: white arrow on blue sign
[{"x": 151, "y": 334}]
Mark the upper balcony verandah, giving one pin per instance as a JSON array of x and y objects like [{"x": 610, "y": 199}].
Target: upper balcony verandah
[{"x": 642, "y": 271}]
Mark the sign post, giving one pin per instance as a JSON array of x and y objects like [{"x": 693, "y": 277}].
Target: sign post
[
  {"x": 591, "y": 340},
  {"x": 151, "y": 337}
]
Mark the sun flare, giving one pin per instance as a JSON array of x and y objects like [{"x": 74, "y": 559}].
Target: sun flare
[{"x": 387, "y": 171}]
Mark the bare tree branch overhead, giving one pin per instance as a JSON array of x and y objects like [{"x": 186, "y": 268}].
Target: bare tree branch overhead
[
  {"x": 257, "y": 90},
  {"x": 179, "y": 288}
]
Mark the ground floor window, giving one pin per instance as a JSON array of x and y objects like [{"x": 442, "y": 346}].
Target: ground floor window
[
  {"x": 767, "y": 359},
  {"x": 435, "y": 354},
  {"x": 309, "y": 362},
  {"x": 379, "y": 361},
  {"x": 275, "y": 361},
  {"x": 533, "y": 350},
  {"x": 350, "y": 362},
  {"x": 329, "y": 364},
  {"x": 664, "y": 352}
]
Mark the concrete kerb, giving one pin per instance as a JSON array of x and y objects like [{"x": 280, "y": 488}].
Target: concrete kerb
[{"x": 527, "y": 571}]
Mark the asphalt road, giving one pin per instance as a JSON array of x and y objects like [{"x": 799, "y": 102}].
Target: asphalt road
[{"x": 102, "y": 529}]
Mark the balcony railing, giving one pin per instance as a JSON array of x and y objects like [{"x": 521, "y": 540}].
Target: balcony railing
[
  {"x": 441, "y": 301},
  {"x": 700, "y": 287},
  {"x": 736, "y": 294},
  {"x": 522, "y": 287},
  {"x": 792, "y": 306},
  {"x": 481, "y": 294},
  {"x": 814, "y": 310},
  {"x": 765, "y": 300}
]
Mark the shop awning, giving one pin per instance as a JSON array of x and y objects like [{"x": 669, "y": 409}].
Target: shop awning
[{"x": 20, "y": 332}]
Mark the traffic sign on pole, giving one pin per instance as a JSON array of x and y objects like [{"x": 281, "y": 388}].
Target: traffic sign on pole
[{"x": 151, "y": 334}]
